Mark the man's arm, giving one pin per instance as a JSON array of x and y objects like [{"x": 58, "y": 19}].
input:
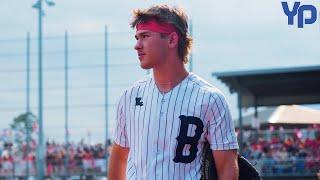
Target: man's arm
[
  {"x": 118, "y": 163},
  {"x": 226, "y": 164}
]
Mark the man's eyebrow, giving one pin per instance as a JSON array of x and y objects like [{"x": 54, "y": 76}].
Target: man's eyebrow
[{"x": 141, "y": 34}]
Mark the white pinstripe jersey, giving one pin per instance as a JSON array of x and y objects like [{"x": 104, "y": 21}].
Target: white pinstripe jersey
[{"x": 166, "y": 132}]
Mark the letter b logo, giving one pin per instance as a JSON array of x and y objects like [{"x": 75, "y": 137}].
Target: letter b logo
[{"x": 184, "y": 139}]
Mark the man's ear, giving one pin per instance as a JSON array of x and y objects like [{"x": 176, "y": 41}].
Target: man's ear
[{"x": 173, "y": 39}]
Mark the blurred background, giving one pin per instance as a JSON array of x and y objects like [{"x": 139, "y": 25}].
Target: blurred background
[{"x": 58, "y": 116}]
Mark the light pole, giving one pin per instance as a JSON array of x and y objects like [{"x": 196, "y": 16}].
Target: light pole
[
  {"x": 28, "y": 105},
  {"x": 41, "y": 146},
  {"x": 66, "y": 112}
]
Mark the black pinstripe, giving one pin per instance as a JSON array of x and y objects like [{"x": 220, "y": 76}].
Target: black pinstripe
[
  {"x": 165, "y": 132},
  {"x": 214, "y": 118},
  {"x": 144, "y": 112},
  {"x": 159, "y": 120},
  {"x": 119, "y": 122},
  {"x": 220, "y": 118},
  {"x": 134, "y": 123},
  {"x": 194, "y": 111},
  {"x": 200, "y": 112},
  {"x": 179, "y": 121},
  {"x": 224, "y": 115},
  {"x": 125, "y": 115},
  {"x": 130, "y": 128},
  {"x": 149, "y": 125},
  {"x": 184, "y": 168},
  {"x": 138, "y": 150},
  {"x": 174, "y": 111}
]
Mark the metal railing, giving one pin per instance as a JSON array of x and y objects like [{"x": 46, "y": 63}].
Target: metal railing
[
  {"x": 82, "y": 168},
  {"x": 293, "y": 167}
]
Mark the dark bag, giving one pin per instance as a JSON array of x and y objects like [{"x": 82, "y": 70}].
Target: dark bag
[{"x": 208, "y": 168}]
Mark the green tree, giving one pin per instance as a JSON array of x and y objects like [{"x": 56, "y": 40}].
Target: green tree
[{"x": 22, "y": 127}]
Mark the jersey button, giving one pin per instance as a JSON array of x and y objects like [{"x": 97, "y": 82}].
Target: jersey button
[{"x": 163, "y": 100}]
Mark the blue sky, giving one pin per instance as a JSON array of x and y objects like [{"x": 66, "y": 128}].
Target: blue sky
[{"x": 228, "y": 35}]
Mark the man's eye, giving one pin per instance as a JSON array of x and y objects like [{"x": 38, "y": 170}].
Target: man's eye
[{"x": 144, "y": 36}]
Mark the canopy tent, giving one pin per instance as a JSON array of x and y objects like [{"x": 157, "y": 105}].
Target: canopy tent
[
  {"x": 249, "y": 121},
  {"x": 295, "y": 114}
]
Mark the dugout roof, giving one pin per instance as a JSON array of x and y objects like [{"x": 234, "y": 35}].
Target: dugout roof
[{"x": 272, "y": 87}]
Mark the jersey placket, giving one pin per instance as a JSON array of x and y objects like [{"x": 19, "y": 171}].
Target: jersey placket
[{"x": 161, "y": 115}]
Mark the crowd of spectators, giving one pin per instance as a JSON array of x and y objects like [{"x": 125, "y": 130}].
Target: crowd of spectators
[
  {"x": 281, "y": 151},
  {"x": 82, "y": 159},
  {"x": 271, "y": 151}
]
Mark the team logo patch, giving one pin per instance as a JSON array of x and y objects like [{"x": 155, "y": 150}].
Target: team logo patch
[
  {"x": 138, "y": 101},
  {"x": 183, "y": 139}
]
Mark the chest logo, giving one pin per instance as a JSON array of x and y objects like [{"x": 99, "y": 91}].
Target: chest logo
[{"x": 138, "y": 101}]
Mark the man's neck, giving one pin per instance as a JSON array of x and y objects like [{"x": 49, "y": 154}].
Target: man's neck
[{"x": 169, "y": 75}]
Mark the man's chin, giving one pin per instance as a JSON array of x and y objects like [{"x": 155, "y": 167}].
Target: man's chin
[{"x": 145, "y": 66}]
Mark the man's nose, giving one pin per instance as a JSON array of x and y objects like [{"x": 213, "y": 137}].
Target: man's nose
[{"x": 138, "y": 45}]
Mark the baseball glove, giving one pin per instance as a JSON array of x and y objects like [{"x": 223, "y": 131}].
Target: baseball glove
[{"x": 208, "y": 169}]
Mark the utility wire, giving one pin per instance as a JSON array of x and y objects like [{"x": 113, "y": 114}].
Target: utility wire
[
  {"x": 58, "y": 107},
  {"x": 53, "y": 88},
  {"x": 58, "y": 68},
  {"x": 75, "y": 51},
  {"x": 85, "y": 35}
]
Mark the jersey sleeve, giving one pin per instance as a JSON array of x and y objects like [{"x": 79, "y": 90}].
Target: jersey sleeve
[
  {"x": 120, "y": 136},
  {"x": 221, "y": 131}
]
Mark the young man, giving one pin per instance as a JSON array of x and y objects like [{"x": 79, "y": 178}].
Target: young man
[{"x": 164, "y": 120}]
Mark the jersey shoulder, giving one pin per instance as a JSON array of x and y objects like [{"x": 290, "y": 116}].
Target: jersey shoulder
[
  {"x": 206, "y": 87},
  {"x": 138, "y": 83},
  {"x": 211, "y": 91}
]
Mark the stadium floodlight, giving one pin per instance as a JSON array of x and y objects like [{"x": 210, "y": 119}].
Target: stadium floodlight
[{"x": 41, "y": 146}]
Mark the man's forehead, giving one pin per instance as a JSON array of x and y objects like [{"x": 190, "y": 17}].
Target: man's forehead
[{"x": 139, "y": 32}]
